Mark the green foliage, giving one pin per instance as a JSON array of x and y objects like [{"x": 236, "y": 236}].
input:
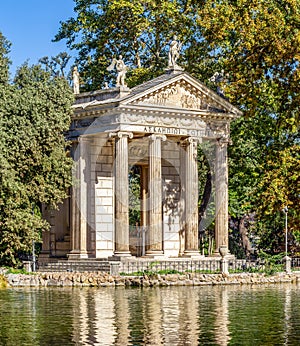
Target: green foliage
[
  {"x": 35, "y": 168},
  {"x": 3, "y": 282},
  {"x": 257, "y": 45},
  {"x": 134, "y": 196},
  {"x": 56, "y": 65},
  {"x": 19, "y": 271},
  {"x": 152, "y": 273},
  {"x": 271, "y": 263},
  {"x": 138, "y": 30},
  {"x": 4, "y": 60}
]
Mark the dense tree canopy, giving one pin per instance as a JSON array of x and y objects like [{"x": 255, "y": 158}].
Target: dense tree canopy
[
  {"x": 34, "y": 112},
  {"x": 255, "y": 43}
]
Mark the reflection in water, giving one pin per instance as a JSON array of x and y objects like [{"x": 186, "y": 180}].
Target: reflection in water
[
  {"x": 287, "y": 314},
  {"x": 105, "y": 326},
  {"x": 222, "y": 318},
  {"x": 121, "y": 316},
  {"x": 152, "y": 313},
  {"x": 188, "y": 318},
  {"x": 155, "y": 316},
  {"x": 170, "y": 308}
]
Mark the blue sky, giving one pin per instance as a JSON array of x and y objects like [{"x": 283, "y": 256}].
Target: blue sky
[{"x": 30, "y": 25}]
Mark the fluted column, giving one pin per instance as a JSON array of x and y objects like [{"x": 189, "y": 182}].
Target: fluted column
[
  {"x": 79, "y": 212},
  {"x": 121, "y": 194},
  {"x": 221, "y": 213},
  {"x": 191, "y": 198},
  {"x": 154, "y": 233}
]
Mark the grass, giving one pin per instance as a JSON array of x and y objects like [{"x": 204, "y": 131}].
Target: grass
[
  {"x": 19, "y": 271},
  {"x": 152, "y": 272},
  {"x": 267, "y": 270}
]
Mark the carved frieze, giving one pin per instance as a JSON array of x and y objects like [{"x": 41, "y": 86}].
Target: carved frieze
[
  {"x": 163, "y": 120},
  {"x": 180, "y": 95}
]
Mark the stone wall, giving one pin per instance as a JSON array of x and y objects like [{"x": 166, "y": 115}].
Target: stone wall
[
  {"x": 102, "y": 202},
  {"x": 107, "y": 280}
]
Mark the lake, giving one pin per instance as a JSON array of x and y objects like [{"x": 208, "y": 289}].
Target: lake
[{"x": 227, "y": 315}]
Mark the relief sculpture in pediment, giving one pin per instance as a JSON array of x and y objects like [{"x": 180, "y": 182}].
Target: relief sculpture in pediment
[{"x": 175, "y": 96}]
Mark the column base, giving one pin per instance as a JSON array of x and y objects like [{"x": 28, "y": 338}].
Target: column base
[
  {"x": 44, "y": 255},
  {"x": 155, "y": 254},
  {"x": 77, "y": 255},
  {"x": 228, "y": 256},
  {"x": 192, "y": 254},
  {"x": 122, "y": 254}
]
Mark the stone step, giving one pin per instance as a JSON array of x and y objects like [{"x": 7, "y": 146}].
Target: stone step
[{"x": 74, "y": 266}]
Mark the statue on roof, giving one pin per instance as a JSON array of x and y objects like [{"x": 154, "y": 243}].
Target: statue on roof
[
  {"x": 218, "y": 78},
  {"x": 174, "y": 51},
  {"x": 121, "y": 69},
  {"x": 76, "y": 81}
]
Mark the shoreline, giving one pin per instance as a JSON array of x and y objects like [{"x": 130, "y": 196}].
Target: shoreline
[{"x": 100, "y": 279}]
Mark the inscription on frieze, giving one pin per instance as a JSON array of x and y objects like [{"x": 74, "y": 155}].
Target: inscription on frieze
[
  {"x": 163, "y": 130},
  {"x": 176, "y": 131}
]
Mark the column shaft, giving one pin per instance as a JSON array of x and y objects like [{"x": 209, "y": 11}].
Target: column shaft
[
  {"x": 154, "y": 238},
  {"x": 221, "y": 213},
  {"x": 79, "y": 210},
  {"x": 191, "y": 199},
  {"x": 121, "y": 195}
]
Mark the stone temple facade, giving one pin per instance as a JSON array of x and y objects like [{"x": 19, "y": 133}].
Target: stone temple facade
[{"x": 155, "y": 127}]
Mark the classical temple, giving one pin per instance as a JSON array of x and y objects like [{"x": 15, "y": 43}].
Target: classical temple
[{"x": 155, "y": 127}]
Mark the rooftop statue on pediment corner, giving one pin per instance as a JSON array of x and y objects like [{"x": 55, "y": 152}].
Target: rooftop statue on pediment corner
[
  {"x": 218, "y": 78},
  {"x": 121, "y": 69},
  {"x": 174, "y": 53}
]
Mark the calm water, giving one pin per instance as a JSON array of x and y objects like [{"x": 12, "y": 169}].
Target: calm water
[{"x": 263, "y": 315}]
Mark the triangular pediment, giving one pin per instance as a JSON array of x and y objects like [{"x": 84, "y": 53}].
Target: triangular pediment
[{"x": 179, "y": 91}]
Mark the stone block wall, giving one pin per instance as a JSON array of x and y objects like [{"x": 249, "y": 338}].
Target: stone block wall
[
  {"x": 102, "y": 198},
  {"x": 171, "y": 198}
]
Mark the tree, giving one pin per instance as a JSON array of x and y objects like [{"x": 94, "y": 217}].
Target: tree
[
  {"x": 254, "y": 43},
  {"x": 140, "y": 31},
  {"x": 56, "y": 65},
  {"x": 257, "y": 44},
  {"x": 4, "y": 60},
  {"x": 35, "y": 168}
]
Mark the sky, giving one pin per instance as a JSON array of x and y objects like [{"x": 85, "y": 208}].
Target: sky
[{"x": 30, "y": 25}]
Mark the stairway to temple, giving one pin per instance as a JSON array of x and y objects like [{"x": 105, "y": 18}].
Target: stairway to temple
[{"x": 64, "y": 265}]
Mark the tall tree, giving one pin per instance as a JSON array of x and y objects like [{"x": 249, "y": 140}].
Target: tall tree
[
  {"x": 4, "y": 60},
  {"x": 139, "y": 31},
  {"x": 257, "y": 45},
  {"x": 34, "y": 112}
]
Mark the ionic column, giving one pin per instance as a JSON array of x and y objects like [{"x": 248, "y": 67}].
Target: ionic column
[
  {"x": 191, "y": 198},
  {"x": 221, "y": 181},
  {"x": 182, "y": 147},
  {"x": 79, "y": 212},
  {"x": 121, "y": 194},
  {"x": 154, "y": 233}
]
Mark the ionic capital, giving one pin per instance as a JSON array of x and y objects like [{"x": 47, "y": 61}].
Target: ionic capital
[
  {"x": 154, "y": 137},
  {"x": 224, "y": 141},
  {"x": 121, "y": 134},
  {"x": 192, "y": 140}
]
